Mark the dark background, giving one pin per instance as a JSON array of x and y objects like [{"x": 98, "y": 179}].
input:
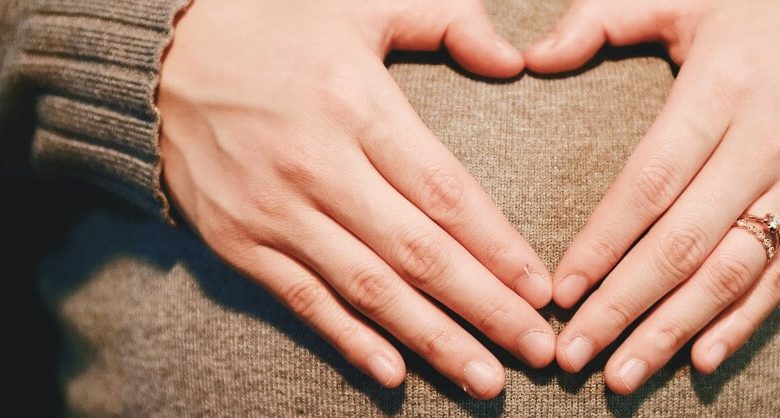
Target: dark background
[{"x": 33, "y": 218}]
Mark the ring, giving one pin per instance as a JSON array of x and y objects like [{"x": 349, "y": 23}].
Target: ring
[{"x": 766, "y": 229}]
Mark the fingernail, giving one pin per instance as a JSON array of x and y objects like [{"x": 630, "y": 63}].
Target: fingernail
[
  {"x": 536, "y": 348},
  {"x": 632, "y": 373},
  {"x": 480, "y": 378},
  {"x": 716, "y": 354},
  {"x": 537, "y": 286},
  {"x": 579, "y": 352},
  {"x": 572, "y": 287},
  {"x": 381, "y": 368}
]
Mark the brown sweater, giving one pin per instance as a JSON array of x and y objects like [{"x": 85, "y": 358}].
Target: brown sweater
[{"x": 77, "y": 85}]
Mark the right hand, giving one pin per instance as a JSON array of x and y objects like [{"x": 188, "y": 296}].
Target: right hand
[{"x": 293, "y": 154}]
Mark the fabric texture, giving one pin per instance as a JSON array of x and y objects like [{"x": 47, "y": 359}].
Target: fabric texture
[
  {"x": 89, "y": 70},
  {"x": 158, "y": 326}
]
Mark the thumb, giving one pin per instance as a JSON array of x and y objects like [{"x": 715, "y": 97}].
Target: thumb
[
  {"x": 589, "y": 24},
  {"x": 463, "y": 27}
]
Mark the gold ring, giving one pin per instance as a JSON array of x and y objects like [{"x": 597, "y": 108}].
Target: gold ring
[{"x": 766, "y": 229}]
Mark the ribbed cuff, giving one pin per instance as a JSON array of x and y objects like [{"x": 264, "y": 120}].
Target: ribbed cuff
[{"x": 98, "y": 65}]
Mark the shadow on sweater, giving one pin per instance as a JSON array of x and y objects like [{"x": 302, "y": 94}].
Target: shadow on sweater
[
  {"x": 117, "y": 232},
  {"x": 135, "y": 236}
]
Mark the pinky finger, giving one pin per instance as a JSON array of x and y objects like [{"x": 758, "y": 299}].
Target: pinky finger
[
  {"x": 734, "y": 326},
  {"x": 316, "y": 304}
]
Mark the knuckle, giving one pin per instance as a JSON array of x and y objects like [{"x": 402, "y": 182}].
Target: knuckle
[
  {"x": 731, "y": 79},
  {"x": 654, "y": 188},
  {"x": 343, "y": 103},
  {"x": 619, "y": 311},
  {"x": 681, "y": 252},
  {"x": 605, "y": 248},
  {"x": 494, "y": 318},
  {"x": 304, "y": 298},
  {"x": 225, "y": 232},
  {"x": 670, "y": 336},
  {"x": 505, "y": 255},
  {"x": 423, "y": 260},
  {"x": 728, "y": 277},
  {"x": 441, "y": 195},
  {"x": 276, "y": 206},
  {"x": 300, "y": 164},
  {"x": 496, "y": 252},
  {"x": 435, "y": 344},
  {"x": 371, "y": 289}
]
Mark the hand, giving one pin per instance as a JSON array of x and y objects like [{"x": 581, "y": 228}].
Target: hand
[
  {"x": 711, "y": 156},
  {"x": 293, "y": 154}
]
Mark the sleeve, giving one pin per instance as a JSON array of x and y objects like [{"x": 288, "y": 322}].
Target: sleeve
[{"x": 87, "y": 72}]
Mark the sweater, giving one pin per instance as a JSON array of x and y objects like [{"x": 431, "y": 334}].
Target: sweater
[
  {"x": 162, "y": 327},
  {"x": 78, "y": 80}
]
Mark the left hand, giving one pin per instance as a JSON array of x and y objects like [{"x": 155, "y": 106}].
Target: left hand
[{"x": 712, "y": 155}]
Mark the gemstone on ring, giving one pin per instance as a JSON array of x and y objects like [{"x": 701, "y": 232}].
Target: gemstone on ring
[{"x": 773, "y": 222}]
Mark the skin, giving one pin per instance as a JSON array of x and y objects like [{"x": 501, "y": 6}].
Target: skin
[
  {"x": 292, "y": 152},
  {"x": 711, "y": 155}
]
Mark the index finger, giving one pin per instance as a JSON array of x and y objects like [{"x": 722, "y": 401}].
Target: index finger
[{"x": 678, "y": 144}]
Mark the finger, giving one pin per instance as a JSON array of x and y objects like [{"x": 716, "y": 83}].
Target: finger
[
  {"x": 463, "y": 27},
  {"x": 314, "y": 302},
  {"x": 374, "y": 289},
  {"x": 731, "y": 269},
  {"x": 430, "y": 260},
  {"x": 426, "y": 173},
  {"x": 671, "y": 252},
  {"x": 588, "y": 25},
  {"x": 734, "y": 326},
  {"x": 678, "y": 144}
]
